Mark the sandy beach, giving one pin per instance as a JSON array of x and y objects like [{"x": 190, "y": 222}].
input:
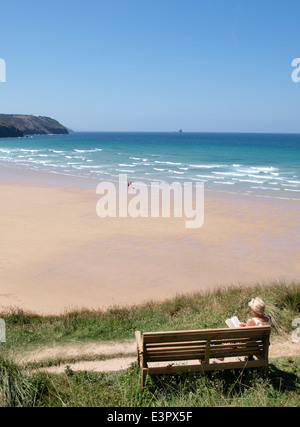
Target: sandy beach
[{"x": 56, "y": 254}]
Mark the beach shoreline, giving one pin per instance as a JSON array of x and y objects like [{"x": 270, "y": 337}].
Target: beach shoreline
[{"x": 57, "y": 255}]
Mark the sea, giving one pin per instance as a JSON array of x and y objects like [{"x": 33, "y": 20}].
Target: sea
[{"x": 265, "y": 165}]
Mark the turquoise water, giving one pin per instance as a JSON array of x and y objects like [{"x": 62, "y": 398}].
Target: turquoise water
[{"x": 260, "y": 164}]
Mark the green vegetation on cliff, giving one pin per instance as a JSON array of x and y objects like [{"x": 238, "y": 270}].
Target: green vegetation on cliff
[{"x": 12, "y": 125}]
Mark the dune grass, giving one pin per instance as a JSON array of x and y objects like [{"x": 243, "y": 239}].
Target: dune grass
[
  {"x": 196, "y": 311},
  {"x": 123, "y": 389},
  {"x": 27, "y": 331}
]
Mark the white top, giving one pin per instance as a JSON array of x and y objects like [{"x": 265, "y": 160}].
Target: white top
[{"x": 260, "y": 323}]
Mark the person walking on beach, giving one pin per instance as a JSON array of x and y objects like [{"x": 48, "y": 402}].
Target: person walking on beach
[{"x": 258, "y": 310}]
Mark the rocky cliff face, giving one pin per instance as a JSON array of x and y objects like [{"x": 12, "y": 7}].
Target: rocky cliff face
[
  {"x": 13, "y": 124},
  {"x": 8, "y": 131}
]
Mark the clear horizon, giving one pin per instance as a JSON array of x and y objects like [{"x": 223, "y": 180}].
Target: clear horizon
[
  {"x": 141, "y": 66},
  {"x": 186, "y": 132}
]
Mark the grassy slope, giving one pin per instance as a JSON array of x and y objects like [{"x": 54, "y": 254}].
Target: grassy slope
[
  {"x": 197, "y": 311},
  {"x": 25, "y": 331}
]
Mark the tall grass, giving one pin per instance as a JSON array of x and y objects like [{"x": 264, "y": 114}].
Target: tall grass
[
  {"x": 123, "y": 389},
  {"x": 16, "y": 387}
]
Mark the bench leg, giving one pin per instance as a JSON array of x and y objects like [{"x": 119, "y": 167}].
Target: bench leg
[{"x": 144, "y": 373}]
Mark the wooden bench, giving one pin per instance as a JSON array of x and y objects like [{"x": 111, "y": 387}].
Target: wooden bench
[{"x": 197, "y": 351}]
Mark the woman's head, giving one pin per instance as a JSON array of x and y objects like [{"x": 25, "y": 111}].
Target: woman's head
[{"x": 257, "y": 306}]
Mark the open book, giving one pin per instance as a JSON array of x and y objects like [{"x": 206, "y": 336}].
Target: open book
[{"x": 233, "y": 322}]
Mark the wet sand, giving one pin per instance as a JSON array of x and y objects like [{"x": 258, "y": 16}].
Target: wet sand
[{"x": 56, "y": 254}]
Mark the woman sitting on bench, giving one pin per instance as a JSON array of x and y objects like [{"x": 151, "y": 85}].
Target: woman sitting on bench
[{"x": 258, "y": 310}]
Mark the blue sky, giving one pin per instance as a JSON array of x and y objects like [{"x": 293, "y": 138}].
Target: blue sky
[{"x": 153, "y": 65}]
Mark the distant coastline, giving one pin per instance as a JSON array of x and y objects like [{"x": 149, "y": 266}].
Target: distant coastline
[{"x": 19, "y": 125}]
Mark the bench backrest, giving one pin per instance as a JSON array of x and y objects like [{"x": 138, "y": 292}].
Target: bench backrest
[{"x": 206, "y": 344}]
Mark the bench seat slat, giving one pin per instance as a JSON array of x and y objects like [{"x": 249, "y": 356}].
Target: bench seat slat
[
  {"x": 208, "y": 367},
  {"x": 177, "y": 343},
  {"x": 174, "y": 347},
  {"x": 212, "y": 334},
  {"x": 213, "y": 349},
  {"x": 175, "y": 356},
  {"x": 202, "y": 344}
]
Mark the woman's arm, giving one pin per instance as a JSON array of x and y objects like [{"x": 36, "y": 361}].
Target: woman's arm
[{"x": 250, "y": 322}]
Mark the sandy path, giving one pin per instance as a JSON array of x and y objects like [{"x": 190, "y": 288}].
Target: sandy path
[
  {"x": 70, "y": 351},
  {"x": 278, "y": 349},
  {"x": 112, "y": 365}
]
